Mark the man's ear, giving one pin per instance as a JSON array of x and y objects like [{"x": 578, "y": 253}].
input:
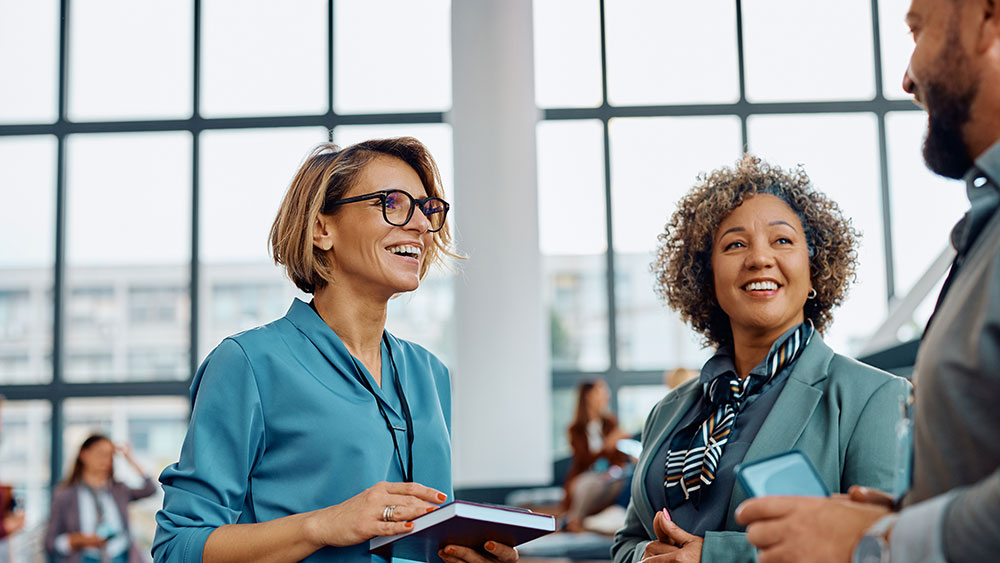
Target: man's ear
[
  {"x": 323, "y": 232},
  {"x": 988, "y": 19}
]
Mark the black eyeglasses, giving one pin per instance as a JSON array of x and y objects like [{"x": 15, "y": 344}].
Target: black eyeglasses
[{"x": 397, "y": 207}]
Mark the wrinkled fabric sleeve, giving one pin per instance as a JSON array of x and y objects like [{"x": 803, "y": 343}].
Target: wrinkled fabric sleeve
[
  {"x": 970, "y": 522},
  {"x": 208, "y": 486},
  {"x": 958, "y": 526},
  {"x": 57, "y": 525},
  {"x": 872, "y": 450},
  {"x": 630, "y": 542},
  {"x": 727, "y": 547}
]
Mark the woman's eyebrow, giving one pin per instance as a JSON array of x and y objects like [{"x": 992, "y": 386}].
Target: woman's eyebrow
[
  {"x": 733, "y": 230},
  {"x": 773, "y": 223}
]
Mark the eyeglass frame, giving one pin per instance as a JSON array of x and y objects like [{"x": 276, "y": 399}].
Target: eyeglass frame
[{"x": 383, "y": 196}]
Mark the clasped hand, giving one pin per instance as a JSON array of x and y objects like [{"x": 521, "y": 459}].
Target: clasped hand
[
  {"x": 361, "y": 518},
  {"x": 672, "y": 543}
]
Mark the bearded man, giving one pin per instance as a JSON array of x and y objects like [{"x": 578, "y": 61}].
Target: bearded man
[{"x": 952, "y": 511}]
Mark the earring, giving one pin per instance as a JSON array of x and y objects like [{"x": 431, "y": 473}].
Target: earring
[{"x": 812, "y": 293}]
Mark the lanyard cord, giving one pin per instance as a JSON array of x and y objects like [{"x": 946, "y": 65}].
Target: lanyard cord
[
  {"x": 407, "y": 469},
  {"x": 97, "y": 503}
]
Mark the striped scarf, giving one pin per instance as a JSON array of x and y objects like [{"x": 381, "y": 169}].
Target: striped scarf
[{"x": 695, "y": 450}]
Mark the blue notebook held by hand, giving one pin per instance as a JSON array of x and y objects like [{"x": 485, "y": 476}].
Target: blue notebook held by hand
[{"x": 463, "y": 523}]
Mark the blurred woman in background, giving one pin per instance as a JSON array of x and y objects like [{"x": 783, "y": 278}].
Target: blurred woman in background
[
  {"x": 88, "y": 522},
  {"x": 596, "y": 473}
]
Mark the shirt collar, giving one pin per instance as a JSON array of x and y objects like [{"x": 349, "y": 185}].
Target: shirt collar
[
  {"x": 981, "y": 189},
  {"x": 987, "y": 164},
  {"x": 722, "y": 361}
]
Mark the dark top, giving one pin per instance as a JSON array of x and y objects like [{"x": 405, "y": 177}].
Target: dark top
[{"x": 711, "y": 514}]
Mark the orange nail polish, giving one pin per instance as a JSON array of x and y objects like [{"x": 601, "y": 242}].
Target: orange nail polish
[
  {"x": 490, "y": 546},
  {"x": 449, "y": 550},
  {"x": 431, "y": 509},
  {"x": 409, "y": 524},
  {"x": 442, "y": 497}
]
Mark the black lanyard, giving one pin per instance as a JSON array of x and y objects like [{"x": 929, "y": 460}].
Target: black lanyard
[
  {"x": 408, "y": 468},
  {"x": 359, "y": 374}
]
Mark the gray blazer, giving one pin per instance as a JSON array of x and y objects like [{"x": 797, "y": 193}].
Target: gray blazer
[
  {"x": 841, "y": 413},
  {"x": 64, "y": 517}
]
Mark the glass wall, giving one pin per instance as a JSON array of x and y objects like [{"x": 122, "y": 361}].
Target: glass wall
[
  {"x": 137, "y": 194},
  {"x": 640, "y": 96}
]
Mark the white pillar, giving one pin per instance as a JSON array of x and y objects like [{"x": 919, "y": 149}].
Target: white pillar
[{"x": 501, "y": 373}]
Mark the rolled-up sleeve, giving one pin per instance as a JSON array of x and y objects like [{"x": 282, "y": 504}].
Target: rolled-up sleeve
[{"x": 208, "y": 486}]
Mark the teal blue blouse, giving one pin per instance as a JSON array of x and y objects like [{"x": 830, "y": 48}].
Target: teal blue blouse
[{"x": 280, "y": 424}]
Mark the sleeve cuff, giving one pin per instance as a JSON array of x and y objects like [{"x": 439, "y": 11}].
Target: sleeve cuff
[
  {"x": 62, "y": 544},
  {"x": 918, "y": 534},
  {"x": 640, "y": 551}
]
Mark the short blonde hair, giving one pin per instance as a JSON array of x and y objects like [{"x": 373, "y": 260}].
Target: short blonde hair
[{"x": 325, "y": 176}]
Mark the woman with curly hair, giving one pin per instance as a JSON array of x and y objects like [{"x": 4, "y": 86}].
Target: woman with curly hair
[{"x": 755, "y": 259}]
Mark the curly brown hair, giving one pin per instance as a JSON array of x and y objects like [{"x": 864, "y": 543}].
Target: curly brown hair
[{"x": 683, "y": 263}]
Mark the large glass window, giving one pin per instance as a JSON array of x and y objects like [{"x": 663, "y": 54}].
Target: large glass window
[
  {"x": 654, "y": 162},
  {"x": 150, "y": 78},
  {"x": 144, "y": 152},
  {"x": 794, "y": 52},
  {"x": 262, "y": 58},
  {"x": 29, "y": 43},
  {"x": 651, "y": 59},
  {"x": 684, "y": 89},
  {"x": 27, "y": 247},
  {"x": 789, "y": 141},
  {"x": 573, "y": 240},
  {"x": 405, "y": 64},
  {"x": 128, "y": 243}
]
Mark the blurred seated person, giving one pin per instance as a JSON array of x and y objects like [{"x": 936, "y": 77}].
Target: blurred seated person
[
  {"x": 596, "y": 474},
  {"x": 754, "y": 259},
  {"x": 11, "y": 517},
  {"x": 88, "y": 522}
]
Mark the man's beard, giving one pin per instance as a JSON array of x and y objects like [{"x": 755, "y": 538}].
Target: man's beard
[
  {"x": 948, "y": 111},
  {"x": 948, "y": 98}
]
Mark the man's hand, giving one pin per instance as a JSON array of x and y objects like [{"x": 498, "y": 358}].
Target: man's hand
[{"x": 806, "y": 528}]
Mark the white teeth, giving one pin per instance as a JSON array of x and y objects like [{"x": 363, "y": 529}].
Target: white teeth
[
  {"x": 405, "y": 249},
  {"x": 761, "y": 286}
]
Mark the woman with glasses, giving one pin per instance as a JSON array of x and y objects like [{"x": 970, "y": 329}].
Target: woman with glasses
[
  {"x": 755, "y": 259},
  {"x": 314, "y": 433}
]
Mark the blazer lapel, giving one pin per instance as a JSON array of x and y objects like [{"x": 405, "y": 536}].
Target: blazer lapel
[
  {"x": 678, "y": 403},
  {"x": 792, "y": 410}
]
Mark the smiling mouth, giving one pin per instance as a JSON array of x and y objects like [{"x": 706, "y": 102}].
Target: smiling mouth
[
  {"x": 761, "y": 286},
  {"x": 406, "y": 250}
]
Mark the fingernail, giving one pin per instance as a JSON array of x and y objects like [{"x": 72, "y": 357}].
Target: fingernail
[
  {"x": 449, "y": 550},
  {"x": 490, "y": 546},
  {"x": 666, "y": 514},
  {"x": 409, "y": 524},
  {"x": 431, "y": 509},
  {"x": 442, "y": 497}
]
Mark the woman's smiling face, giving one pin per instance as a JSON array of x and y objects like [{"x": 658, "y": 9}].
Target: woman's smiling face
[
  {"x": 760, "y": 267},
  {"x": 367, "y": 252}
]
